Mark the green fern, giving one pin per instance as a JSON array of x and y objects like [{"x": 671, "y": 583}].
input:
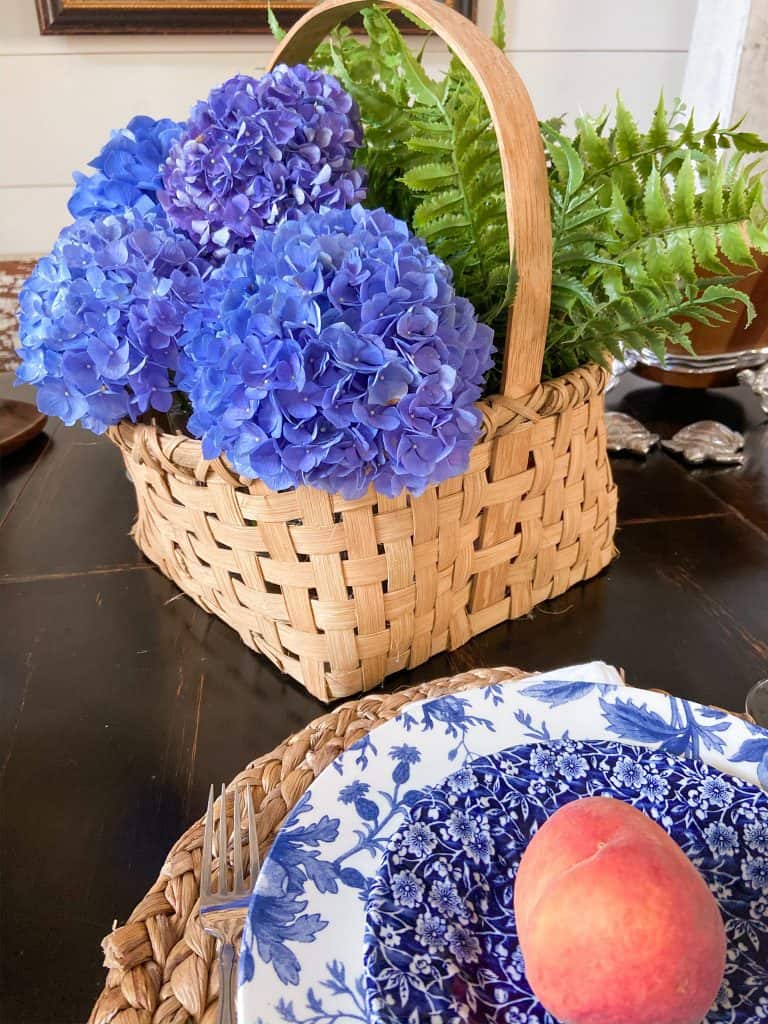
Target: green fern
[
  {"x": 651, "y": 230},
  {"x": 431, "y": 154}
]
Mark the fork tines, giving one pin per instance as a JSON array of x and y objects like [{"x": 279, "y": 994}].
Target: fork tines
[{"x": 239, "y": 887}]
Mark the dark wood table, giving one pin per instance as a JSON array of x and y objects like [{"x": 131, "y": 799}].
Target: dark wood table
[{"x": 121, "y": 701}]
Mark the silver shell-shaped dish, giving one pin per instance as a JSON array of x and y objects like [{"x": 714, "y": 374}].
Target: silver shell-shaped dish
[
  {"x": 625, "y": 434},
  {"x": 758, "y": 381},
  {"x": 708, "y": 441}
]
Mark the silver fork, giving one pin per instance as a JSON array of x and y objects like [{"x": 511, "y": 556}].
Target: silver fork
[{"x": 222, "y": 913}]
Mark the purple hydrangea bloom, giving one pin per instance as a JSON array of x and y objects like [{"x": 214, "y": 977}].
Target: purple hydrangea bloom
[
  {"x": 100, "y": 318},
  {"x": 335, "y": 353},
  {"x": 127, "y": 169},
  {"x": 258, "y": 150}
]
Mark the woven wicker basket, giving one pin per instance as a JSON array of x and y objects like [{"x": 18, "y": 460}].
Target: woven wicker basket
[{"x": 340, "y": 594}]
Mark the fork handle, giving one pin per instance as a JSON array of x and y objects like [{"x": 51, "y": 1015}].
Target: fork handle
[{"x": 227, "y": 961}]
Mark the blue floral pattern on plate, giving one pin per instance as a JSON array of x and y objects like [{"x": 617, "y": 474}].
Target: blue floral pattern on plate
[
  {"x": 441, "y": 943},
  {"x": 302, "y": 948}
]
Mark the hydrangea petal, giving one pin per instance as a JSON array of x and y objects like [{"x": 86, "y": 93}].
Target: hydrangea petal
[{"x": 127, "y": 170}]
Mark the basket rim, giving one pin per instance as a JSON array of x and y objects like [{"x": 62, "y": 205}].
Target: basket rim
[{"x": 500, "y": 415}]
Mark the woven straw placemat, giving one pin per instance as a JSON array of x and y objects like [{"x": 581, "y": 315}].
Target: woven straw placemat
[{"x": 162, "y": 966}]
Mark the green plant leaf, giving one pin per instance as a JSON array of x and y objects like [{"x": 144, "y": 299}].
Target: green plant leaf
[
  {"x": 429, "y": 177},
  {"x": 734, "y": 247},
  {"x": 658, "y": 133},
  {"x": 639, "y": 218},
  {"x": 274, "y": 25},
  {"x": 685, "y": 193},
  {"x": 654, "y": 203},
  {"x": 719, "y": 295},
  {"x": 681, "y": 255},
  {"x": 415, "y": 20},
  {"x": 713, "y": 200},
  {"x": 627, "y": 137},
  {"x": 705, "y": 248},
  {"x": 749, "y": 142},
  {"x": 758, "y": 236},
  {"x": 620, "y": 217},
  {"x": 499, "y": 26}
]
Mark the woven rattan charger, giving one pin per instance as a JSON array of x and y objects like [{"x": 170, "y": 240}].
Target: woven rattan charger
[{"x": 162, "y": 966}]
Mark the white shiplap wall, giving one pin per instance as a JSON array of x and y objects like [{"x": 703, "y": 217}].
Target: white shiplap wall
[{"x": 63, "y": 94}]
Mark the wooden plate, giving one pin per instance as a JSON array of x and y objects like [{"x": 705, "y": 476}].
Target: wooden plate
[{"x": 19, "y": 423}]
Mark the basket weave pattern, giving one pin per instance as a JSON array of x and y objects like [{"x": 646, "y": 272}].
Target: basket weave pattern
[
  {"x": 162, "y": 965},
  {"x": 339, "y": 594}
]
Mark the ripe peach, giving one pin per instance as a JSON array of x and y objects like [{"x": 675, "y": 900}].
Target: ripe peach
[{"x": 616, "y": 926}]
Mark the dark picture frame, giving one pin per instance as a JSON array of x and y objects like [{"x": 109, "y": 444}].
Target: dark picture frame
[{"x": 94, "y": 17}]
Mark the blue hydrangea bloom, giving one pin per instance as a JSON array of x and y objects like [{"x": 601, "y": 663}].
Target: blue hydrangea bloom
[
  {"x": 260, "y": 149},
  {"x": 127, "y": 169},
  {"x": 100, "y": 318},
  {"x": 335, "y": 353}
]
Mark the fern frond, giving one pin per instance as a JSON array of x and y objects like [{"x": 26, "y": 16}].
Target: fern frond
[
  {"x": 436, "y": 140},
  {"x": 499, "y": 26},
  {"x": 430, "y": 177},
  {"x": 641, "y": 220},
  {"x": 274, "y": 25}
]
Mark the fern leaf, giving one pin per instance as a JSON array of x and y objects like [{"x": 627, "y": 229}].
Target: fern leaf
[
  {"x": 658, "y": 133},
  {"x": 654, "y": 204},
  {"x": 627, "y": 134},
  {"x": 620, "y": 216},
  {"x": 499, "y": 26},
  {"x": 415, "y": 20},
  {"x": 705, "y": 248},
  {"x": 738, "y": 202},
  {"x": 748, "y": 142},
  {"x": 435, "y": 141},
  {"x": 681, "y": 255},
  {"x": 637, "y": 218},
  {"x": 448, "y": 225},
  {"x": 685, "y": 193},
  {"x": 568, "y": 163},
  {"x": 594, "y": 149},
  {"x": 435, "y": 205},
  {"x": 722, "y": 295},
  {"x": 429, "y": 177},
  {"x": 734, "y": 247},
  {"x": 382, "y": 31},
  {"x": 713, "y": 200},
  {"x": 758, "y": 236},
  {"x": 569, "y": 290},
  {"x": 274, "y": 25}
]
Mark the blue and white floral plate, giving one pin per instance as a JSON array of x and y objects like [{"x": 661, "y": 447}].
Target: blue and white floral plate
[
  {"x": 441, "y": 942},
  {"x": 302, "y": 952}
]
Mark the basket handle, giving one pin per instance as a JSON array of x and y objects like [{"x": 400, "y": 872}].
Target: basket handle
[{"x": 522, "y": 162}]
